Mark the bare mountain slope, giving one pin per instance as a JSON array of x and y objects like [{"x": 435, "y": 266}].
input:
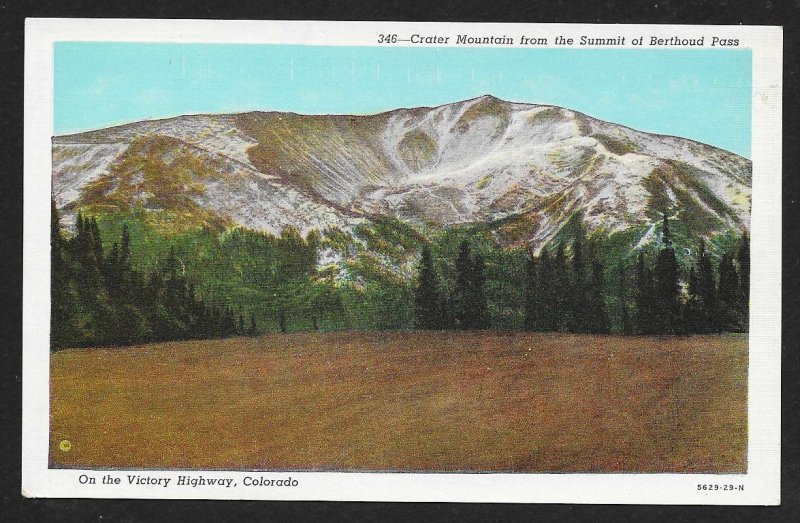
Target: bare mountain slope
[{"x": 481, "y": 160}]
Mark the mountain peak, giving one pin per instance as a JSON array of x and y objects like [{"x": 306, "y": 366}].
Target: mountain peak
[
  {"x": 488, "y": 98},
  {"x": 522, "y": 168}
]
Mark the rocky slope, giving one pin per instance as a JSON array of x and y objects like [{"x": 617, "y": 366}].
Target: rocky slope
[{"x": 522, "y": 168}]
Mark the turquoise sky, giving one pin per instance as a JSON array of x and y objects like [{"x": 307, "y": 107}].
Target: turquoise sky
[{"x": 699, "y": 94}]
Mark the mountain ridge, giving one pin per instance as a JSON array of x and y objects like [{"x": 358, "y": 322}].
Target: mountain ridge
[
  {"x": 482, "y": 160},
  {"x": 73, "y": 134}
]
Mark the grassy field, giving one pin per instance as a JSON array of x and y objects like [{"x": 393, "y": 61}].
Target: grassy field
[{"x": 406, "y": 401}]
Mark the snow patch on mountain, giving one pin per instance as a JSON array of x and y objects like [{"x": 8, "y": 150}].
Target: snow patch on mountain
[
  {"x": 480, "y": 160},
  {"x": 75, "y": 165}
]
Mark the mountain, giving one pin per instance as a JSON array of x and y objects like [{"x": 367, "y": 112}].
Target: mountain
[{"x": 522, "y": 169}]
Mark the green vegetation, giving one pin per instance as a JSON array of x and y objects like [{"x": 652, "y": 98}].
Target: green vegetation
[
  {"x": 573, "y": 287},
  {"x": 160, "y": 175},
  {"x": 566, "y": 294},
  {"x": 489, "y": 107},
  {"x": 706, "y": 300},
  {"x": 548, "y": 114},
  {"x": 289, "y": 144},
  {"x": 99, "y": 298},
  {"x": 417, "y": 149},
  {"x": 618, "y": 146},
  {"x": 484, "y": 182},
  {"x": 390, "y": 237},
  {"x": 119, "y": 279}
]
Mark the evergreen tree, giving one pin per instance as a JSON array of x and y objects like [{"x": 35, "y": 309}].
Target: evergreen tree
[
  {"x": 546, "y": 305},
  {"x": 706, "y": 292},
  {"x": 311, "y": 251},
  {"x": 253, "y": 329},
  {"x": 447, "y": 311},
  {"x": 174, "y": 299},
  {"x": 61, "y": 319},
  {"x": 729, "y": 319},
  {"x": 101, "y": 299},
  {"x": 464, "y": 291},
  {"x": 240, "y": 325},
  {"x": 580, "y": 292},
  {"x": 596, "y": 314},
  {"x": 112, "y": 264},
  {"x": 57, "y": 242},
  {"x": 96, "y": 241},
  {"x": 92, "y": 308},
  {"x": 157, "y": 314},
  {"x": 473, "y": 311},
  {"x": 113, "y": 283},
  {"x": 481, "y": 312},
  {"x": 84, "y": 252},
  {"x": 666, "y": 286},
  {"x": 125, "y": 251},
  {"x": 426, "y": 296},
  {"x": 532, "y": 320},
  {"x": 282, "y": 321},
  {"x": 104, "y": 299},
  {"x": 622, "y": 298},
  {"x": 126, "y": 323},
  {"x": 644, "y": 297},
  {"x": 743, "y": 262},
  {"x": 692, "y": 311},
  {"x": 561, "y": 303},
  {"x": 229, "y": 323},
  {"x": 132, "y": 324}
]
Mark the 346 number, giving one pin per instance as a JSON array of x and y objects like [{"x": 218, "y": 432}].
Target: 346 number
[{"x": 387, "y": 39}]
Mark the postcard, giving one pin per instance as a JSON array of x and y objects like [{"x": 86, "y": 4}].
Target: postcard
[{"x": 389, "y": 261}]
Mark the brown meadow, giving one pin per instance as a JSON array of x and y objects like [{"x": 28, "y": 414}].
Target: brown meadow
[{"x": 406, "y": 402}]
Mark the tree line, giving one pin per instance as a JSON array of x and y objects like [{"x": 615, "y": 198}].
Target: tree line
[
  {"x": 561, "y": 294},
  {"x": 99, "y": 298},
  {"x": 466, "y": 307},
  {"x": 206, "y": 284},
  {"x": 568, "y": 292},
  {"x": 709, "y": 299}
]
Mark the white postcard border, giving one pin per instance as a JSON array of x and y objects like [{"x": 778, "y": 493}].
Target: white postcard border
[{"x": 762, "y": 481}]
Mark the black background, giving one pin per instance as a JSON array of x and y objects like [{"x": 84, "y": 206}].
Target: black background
[{"x": 12, "y": 15}]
